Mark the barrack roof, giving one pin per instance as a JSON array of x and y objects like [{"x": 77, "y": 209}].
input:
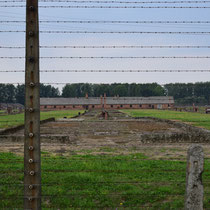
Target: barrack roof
[{"x": 109, "y": 100}]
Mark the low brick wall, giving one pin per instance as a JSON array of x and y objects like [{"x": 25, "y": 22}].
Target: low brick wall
[
  {"x": 187, "y": 134},
  {"x": 192, "y": 134}
]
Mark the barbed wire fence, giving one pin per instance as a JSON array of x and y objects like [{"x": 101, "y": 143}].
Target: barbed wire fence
[{"x": 24, "y": 184}]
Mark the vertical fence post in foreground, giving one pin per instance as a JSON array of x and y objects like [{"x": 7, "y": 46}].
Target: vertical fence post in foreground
[
  {"x": 32, "y": 158},
  {"x": 194, "y": 186}
]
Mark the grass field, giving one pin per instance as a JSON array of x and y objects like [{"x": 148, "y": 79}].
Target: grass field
[
  {"x": 196, "y": 119},
  {"x": 111, "y": 182},
  {"x": 83, "y": 180},
  {"x": 13, "y": 120}
]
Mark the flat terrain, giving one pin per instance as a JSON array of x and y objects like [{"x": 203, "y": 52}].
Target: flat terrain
[
  {"x": 18, "y": 119},
  {"x": 101, "y": 182},
  {"x": 197, "y": 119},
  {"x": 121, "y": 134},
  {"x": 92, "y": 163}
]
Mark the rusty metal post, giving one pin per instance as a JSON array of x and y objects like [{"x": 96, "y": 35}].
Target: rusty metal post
[
  {"x": 106, "y": 115},
  {"x": 32, "y": 154},
  {"x": 104, "y": 100},
  {"x": 101, "y": 98}
]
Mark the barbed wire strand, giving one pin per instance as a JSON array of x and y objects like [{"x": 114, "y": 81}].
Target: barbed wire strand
[
  {"x": 113, "y": 2},
  {"x": 100, "y": 182},
  {"x": 81, "y": 193},
  {"x": 90, "y": 159},
  {"x": 115, "y": 32},
  {"x": 111, "y": 21},
  {"x": 111, "y": 7},
  {"x": 112, "y": 70},
  {"x": 113, "y": 46},
  {"x": 113, "y": 57},
  {"x": 93, "y": 171}
]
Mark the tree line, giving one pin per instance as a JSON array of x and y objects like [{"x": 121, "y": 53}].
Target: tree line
[
  {"x": 16, "y": 94},
  {"x": 95, "y": 90},
  {"x": 183, "y": 93},
  {"x": 189, "y": 93}
]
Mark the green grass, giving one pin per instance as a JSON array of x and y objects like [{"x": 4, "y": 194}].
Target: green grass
[
  {"x": 2, "y": 112},
  {"x": 196, "y": 119},
  {"x": 111, "y": 182},
  {"x": 18, "y": 119}
]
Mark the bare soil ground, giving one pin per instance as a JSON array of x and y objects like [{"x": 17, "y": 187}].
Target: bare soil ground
[{"x": 91, "y": 134}]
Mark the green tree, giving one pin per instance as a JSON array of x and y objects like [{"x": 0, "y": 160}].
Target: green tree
[
  {"x": 48, "y": 91},
  {"x": 20, "y": 94}
]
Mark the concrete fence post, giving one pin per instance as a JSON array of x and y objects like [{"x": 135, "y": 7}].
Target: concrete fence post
[{"x": 194, "y": 186}]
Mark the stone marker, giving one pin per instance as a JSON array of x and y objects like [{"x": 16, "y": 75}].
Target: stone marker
[{"x": 194, "y": 186}]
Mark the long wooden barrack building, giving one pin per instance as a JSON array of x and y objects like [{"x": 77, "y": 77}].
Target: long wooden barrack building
[{"x": 155, "y": 102}]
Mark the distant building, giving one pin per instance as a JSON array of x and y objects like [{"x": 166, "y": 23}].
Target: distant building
[
  {"x": 4, "y": 106},
  {"x": 155, "y": 102}
]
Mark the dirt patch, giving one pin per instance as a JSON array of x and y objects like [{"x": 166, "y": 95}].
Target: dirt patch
[
  {"x": 148, "y": 126},
  {"x": 60, "y": 125},
  {"x": 120, "y": 134},
  {"x": 155, "y": 151}
]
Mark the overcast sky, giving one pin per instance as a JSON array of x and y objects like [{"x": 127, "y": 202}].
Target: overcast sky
[{"x": 18, "y": 39}]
